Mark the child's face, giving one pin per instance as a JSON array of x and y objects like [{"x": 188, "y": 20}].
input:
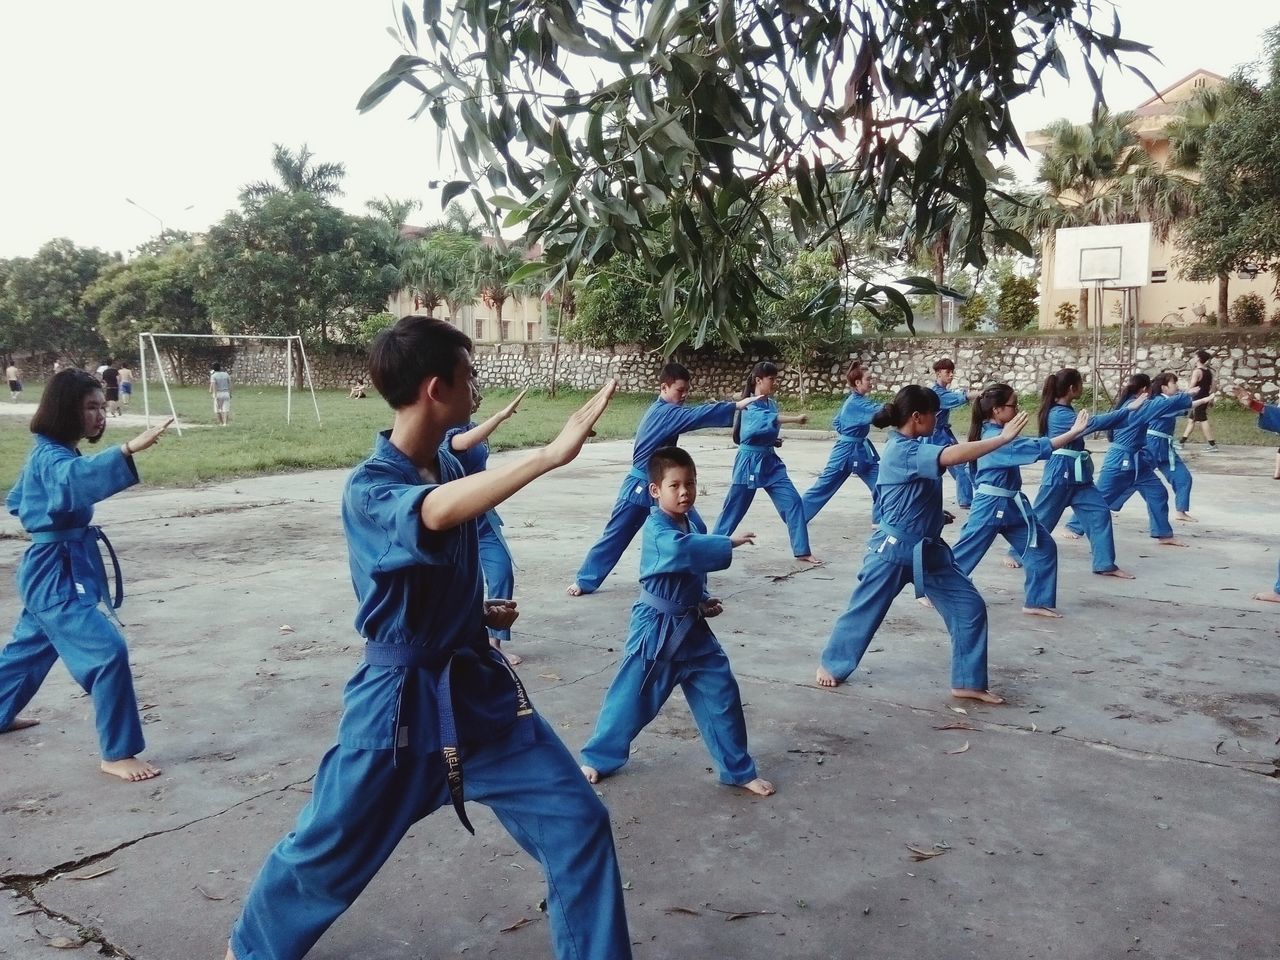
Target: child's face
[
  {"x": 945, "y": 377},
  {"x": 863, "y": 386},
  {"x": 1002, "y": 413},
  {"x": 677, "y": 492},
  {"x": 677, "y": 391},
  {"x": 1170, "y": 388},
  {"x": 463, "y": 395},
  {"x": 93, "y": 414},
  {"x": 765, "y": 385}
]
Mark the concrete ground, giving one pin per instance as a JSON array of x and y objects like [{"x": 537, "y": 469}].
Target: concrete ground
[{"x": 1123, "y": 804}]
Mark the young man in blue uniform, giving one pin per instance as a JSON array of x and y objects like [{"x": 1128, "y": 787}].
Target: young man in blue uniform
[
  {"x": 670, "y": 642},
  {"x": 661, "y": 426},
  {"x": 434, "y": 715},
  {"x": 1268, "y": 419},
  {"x": 944, "y": 372}
]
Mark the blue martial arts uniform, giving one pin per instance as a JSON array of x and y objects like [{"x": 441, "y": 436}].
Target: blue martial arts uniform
[
  {"x": 1162, "y": 447},
  {"x": 1067, "y": 481},
  {"x": 1000, "y": 507},
  {"x": 1128, "y": 468},
  {"x": 61, "y": 581},
  {"x": 432, "y": 714},
  {"x": 943, "y": 436},
  {"x": 759, "y": 466},
  {"x": 853, "y": 455},
  {"x": 669, "y": 644},
  {"x": 660, "y": 427},
  {"x": 495, "y": 556},
  {"x": 908, "y": 548},
  {"x": 1269, "y": 419}
]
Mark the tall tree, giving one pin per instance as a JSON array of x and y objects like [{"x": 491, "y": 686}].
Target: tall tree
[
  {"x": 700, "y": 109},
  {"x": 297, "y": 173},
  {"x": 494, "y": 272},
  {"x": 47, "y": 298}
]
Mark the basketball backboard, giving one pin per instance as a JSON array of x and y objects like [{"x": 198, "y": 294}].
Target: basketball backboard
[{"x": 1114, "y": 256}]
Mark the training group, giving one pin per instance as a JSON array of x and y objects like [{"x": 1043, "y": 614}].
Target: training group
[{"x": 436, "y": 713}]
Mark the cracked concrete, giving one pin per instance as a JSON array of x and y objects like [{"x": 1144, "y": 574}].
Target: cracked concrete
[{"x": 1123, "y": 804}]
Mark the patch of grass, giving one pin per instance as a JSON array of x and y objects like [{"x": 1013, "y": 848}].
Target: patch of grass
[{"x": 260, "y": 442}]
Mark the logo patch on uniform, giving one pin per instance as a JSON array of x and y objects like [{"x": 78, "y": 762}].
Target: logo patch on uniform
[{"x": 402, "y": 737}]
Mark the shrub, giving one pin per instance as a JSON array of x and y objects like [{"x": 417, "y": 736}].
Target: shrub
[
  {"x": 973, "y": 311},
  {"x": 373, "y": 325},
  {"x": 1017, "y": 303},
  {"x": 1066, "y": 314},
  {"x": 1249, "y": 310}
]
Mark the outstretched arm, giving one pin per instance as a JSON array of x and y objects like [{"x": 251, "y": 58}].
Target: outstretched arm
[
  {"x": 458, "y": 501},
  {"x": 959, "y": 453},
  {"x": 479, "y": 434},
  {"x": 1077, "y": 430}
]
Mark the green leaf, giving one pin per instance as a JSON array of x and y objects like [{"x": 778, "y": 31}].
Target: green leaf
[
  {"x": 531, "y": 269},
  {"x": 452, "y": 189},
  {"x": 410, "y": 25}
]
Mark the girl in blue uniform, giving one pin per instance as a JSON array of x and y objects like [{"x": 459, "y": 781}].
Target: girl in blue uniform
[
  {"x": 1128, "y": 468},
  {"x": 944, "y": 372},
  {"x": 1162, "y": 447},
  {"x": 670, "y": 643},
  {"x": 1000, "y": 506},
  {"x": 755, "y": 430},
  {"x": 908, "y": 547},
  {"x": 1268, "y": 419},
  {"x": 1067, "y": 480},
  {"x": 61, "y": 579},
  {"x": 853, "y": 453},
  {"x": 470, "y": 444}
]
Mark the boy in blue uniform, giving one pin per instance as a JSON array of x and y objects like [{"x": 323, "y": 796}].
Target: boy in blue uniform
[
  {"x": 1268, "y": 419},
  {"x": 670, "y": 642},
  {"x": 661, "y": 426},
  {"x": 434, "y": 714},
  {"x": 944, "y": 371},
  {"x": 62, "y": 579},
  {"x": 853, "y": 454}
]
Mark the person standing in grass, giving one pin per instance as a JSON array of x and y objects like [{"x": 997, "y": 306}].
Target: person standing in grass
[{"x": 220, "y": 390}]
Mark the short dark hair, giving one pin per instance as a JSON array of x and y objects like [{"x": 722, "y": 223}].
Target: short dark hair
[
  {"x": 60, "y": 414},
  {"x": 946, "y": 363},
  {"x": 667, "y": 458},
  {"x": 217, "y": 368},
  {"x": 411, "y": 350},
  {"x": 674, "y": 371},
  {"x": 1204, "y": 355}
]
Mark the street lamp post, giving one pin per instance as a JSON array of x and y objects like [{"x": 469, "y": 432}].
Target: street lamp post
[{"x": 155, "y": 217}]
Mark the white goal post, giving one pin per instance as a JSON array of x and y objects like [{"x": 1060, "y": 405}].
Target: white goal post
[{"x": 148, "y": 338}]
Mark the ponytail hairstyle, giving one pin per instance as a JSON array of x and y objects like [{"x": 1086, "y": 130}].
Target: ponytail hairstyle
[
  {"x": 1056, "y": 386},
  {"x": 1136, "y": 383},
  {"x": 911, "y": 399},
  {"x": 1159, "y": 382},
  {"x": 765, "y": 368},
  {"x": 996, "y": 395},
  {"x": 856, "y": 372}
]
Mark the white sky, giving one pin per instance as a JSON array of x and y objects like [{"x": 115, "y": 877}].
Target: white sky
[{"x": 177, "y": 105}]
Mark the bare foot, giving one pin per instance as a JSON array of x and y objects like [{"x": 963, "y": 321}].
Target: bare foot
[
  {"x": 230, "y": 955},
  {"x": 1270, "y": 596},
  {"x": 1011, "y": 563},
  {"x": 810, "y": 558},
  {"x": 1186, "y": 517},
  {"x": 1049, "y": 612},
  {"x": 1072, "y": 535},
  {"x": 573, "y": 590},
  {"x": 985, "y": 696},
  {"x": 825, "y": 679},
  {"x": 760, "y": 787},
  {"x": 1169, "y": 542},
  {"x": 591, "y": 773},
  {"x": 131, "y": 769},
  {"x": 1117, "y": 573},
  {"x": 925, "y": 602},
  {"x": 20, "y": 723},
  {"x": 512, "y": 658}
]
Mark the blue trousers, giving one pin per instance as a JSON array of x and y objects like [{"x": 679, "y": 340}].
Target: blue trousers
[
  {"x": 499, "y": 572},
  {"x": 1039, "y": 563},
  {"x": 96, "y": 657},
  {"x": 785, "y": 499},
  {"x": 1180, "y": 479},
  {"x": 963, "y": 477},
  {"x": 832, "y": 479},
  {"x": 1117, "y": 486},
  {"x": 952, "y": 594},
  {"x": 363, "y": 804},
  {"x": 1092, "y": 518},
  {"x": 712, "y": 694}
]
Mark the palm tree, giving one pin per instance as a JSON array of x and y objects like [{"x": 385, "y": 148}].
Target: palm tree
[
  {"x": 297, "y": 174},
  {"x": 431, "y": 273},
  {"x": 492, "y": 268}
]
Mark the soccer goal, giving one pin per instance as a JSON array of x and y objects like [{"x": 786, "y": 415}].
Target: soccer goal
[{"x": 148, "y": 339}]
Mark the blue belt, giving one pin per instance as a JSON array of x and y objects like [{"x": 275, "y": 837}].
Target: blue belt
[
  {"x": 869, "y": 448},
  {"x": 76, "y": 534},
  {"x": 1024, "y": 508},
  {"x": 689, "y": 617},
  {"x": 894, "y": 535},
  {"x": 404, "y": 655},
  {"x": 1079, "y": 456},
  {"x": 1168, "y": 438}
]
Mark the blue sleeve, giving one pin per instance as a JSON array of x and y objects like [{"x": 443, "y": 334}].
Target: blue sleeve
[
  {"x": 683, "y": 418},
  {"x": 72, "y": 482},
  {"x": 388, "y": 527},
  {"x": 857, "y": 411},
  {"x": 1269, "y": 419},
  {"x": 1157, "y": 407},
  {"x": 951, "y": 399},
  {"x": 1019, "y": 452},
  {"x": 1104, "y": 421},
  {"x": 675, "y": 551},
  {"x": 924, "y": 462},
  {"x": 759, "y": 422}
]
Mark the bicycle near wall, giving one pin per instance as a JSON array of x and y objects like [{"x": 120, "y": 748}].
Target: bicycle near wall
[{"x": 1199, "y": 313}]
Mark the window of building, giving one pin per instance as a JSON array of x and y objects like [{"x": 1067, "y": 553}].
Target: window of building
[
  {"x": 479, "y": 328},
  {"x": 531, "y": 330},
  {"x": 506, "y": 329},
  {"x": 1159, "y": 276}
]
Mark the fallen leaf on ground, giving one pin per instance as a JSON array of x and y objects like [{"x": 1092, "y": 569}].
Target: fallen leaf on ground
[
  {"x": 959, "y": 710},
  {"x": 24, "y": 911},
  {"x": 917, "y": 854},
  {"x": 960, "y": 749},
  {"x": 1218, "y": 748},
  {"x": 285, "y": 628},
  {"x": 550, "y": 676},
  {"x": 685, "y": 910},
  {"x": 207, "y": 895},
  {"x": 743, "y": 914},
  {"x": 955, "y": 725},
  {"x": 522, "y": 922},
  {"x": 64, "y": 943},
  {"x": 91, "y": 876}
]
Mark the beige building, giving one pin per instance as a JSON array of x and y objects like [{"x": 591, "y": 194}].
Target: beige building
[
  {"x": 524, "y": 319},
  {"x": 1167, "y": 300}
]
